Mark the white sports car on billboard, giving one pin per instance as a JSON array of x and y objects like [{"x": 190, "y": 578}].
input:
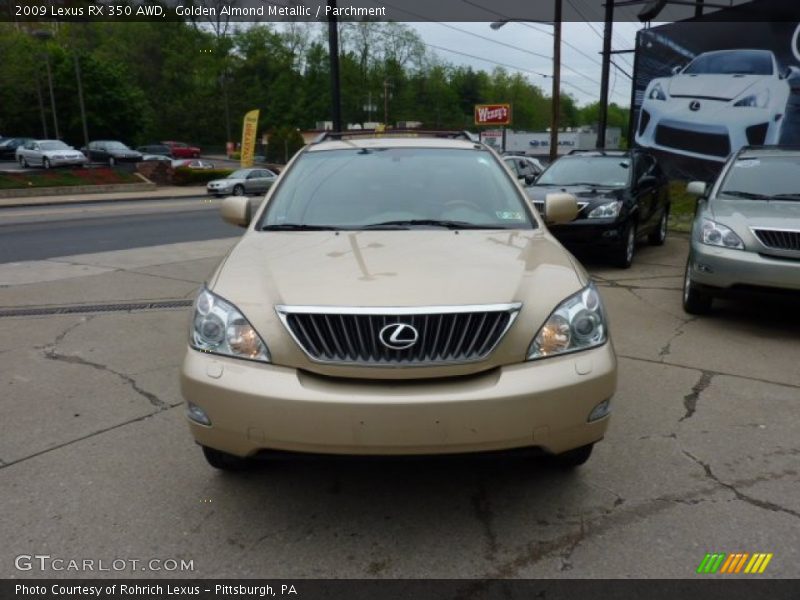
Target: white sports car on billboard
[{"x": 719, "y": 102}]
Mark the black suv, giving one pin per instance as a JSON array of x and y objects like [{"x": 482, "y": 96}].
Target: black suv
[{"x": 623, "y": 196}]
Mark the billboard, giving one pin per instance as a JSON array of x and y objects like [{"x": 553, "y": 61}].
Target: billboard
[
  {"x": 704, "y": 89},
  {"x": 249, "y": 127},
  {"x": 492, "y": 114}
]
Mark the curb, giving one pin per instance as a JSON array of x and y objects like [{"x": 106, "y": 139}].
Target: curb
[{"x": 99, "y": 197}]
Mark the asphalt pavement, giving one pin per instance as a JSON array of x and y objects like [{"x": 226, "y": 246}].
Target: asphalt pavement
[{"x": 96, "y": 461}]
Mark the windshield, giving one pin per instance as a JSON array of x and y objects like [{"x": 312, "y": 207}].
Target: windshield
[
  {"x": 603, "y": 171},
  {"x": 405, "y": 187},
  {"x": 116, "y": 146},
  {"x": 764, "y": 177},
  {"x": 53, "y": 146},
  {"x": 734, "y": 62}
]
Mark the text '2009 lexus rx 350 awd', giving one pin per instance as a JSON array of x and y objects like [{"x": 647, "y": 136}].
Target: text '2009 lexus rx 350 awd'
[{"x": 397, "y": 294}]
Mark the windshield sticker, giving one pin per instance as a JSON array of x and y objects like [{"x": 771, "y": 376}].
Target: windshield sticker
[
  {"x": 746, "y": 163},
  {"x": 508, "y": 215}
]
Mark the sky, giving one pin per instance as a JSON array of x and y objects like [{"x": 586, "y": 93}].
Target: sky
[{"x": 527, "y": 48}]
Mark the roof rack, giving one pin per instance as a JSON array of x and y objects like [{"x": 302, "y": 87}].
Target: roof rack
[
  {"x": 371, "y": 133},
  {"x": 598, "y": 151}
]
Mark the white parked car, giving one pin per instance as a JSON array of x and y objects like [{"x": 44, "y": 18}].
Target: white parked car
[
  {"x": 718, "y": 103},
  {"x": 48, "y": 153}
]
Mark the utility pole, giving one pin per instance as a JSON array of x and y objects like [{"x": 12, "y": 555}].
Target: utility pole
[
  {"x": 602, "y": 119},
  {"x": 386, "y": 85},
  {"x": 333, "y": 53},
  {"x": 41, "y": 106},
  {"x": 556, "y": 94},
  {"x": 80, "y": 101}
]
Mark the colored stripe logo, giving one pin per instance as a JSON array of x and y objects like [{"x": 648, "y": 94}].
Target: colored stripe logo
[{"x": 735, "y": 563}]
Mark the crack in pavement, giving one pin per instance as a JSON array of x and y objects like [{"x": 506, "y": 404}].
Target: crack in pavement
[
  {"x": 51, "y": 353},
  {"x": 713, "y": 372},
  {"x": 154, "y": 400},
  {"x": 482, "y": 507},
  {"x": 89, "y": 436},
  {"x": 733, "y": 487},
  {"x": 690, "y": 399},
  {"x": 666, "y": 349},
  {"x": 566, "y": 555}
]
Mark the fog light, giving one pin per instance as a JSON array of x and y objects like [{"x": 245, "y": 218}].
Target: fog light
[
  {"x": 703, "y": 268},
  {"x": 600, "y": 411},
  {"x": 197, "y": 414}
]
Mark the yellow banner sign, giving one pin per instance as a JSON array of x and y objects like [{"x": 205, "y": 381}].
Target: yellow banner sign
[{"x": 249, "y": 131}]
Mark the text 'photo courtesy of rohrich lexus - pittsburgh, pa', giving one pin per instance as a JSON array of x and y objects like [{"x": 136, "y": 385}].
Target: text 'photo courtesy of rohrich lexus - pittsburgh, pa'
[{"x": 398, "y": 295}]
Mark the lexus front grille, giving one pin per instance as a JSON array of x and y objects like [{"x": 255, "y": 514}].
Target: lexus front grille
[
  {"x": 779, "y": 239},
  {"x": 398, "y": 336}
]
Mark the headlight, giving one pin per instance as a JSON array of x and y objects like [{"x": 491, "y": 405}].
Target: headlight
[
  {"x": 759, "y": 100},
  {"x": 218, "y": 327},
  {"x": 714, "y": 234},
  {"x": 609, "y": 210},
  {"x": 577, "y": 324},
  {"x": 657, "y": 93}
]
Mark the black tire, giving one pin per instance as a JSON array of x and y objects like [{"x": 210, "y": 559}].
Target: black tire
[
  {"x": 111, "y": 161},
  {"x": 238, "y": 190},
  {"x": 46, "y": 163},
  {"x": 23, "y": 163},
  {"x": 224, "y": 461},
  {"x": 658, "y": 236},
  {"x": 695, "y": 302},
  {"x": 573, "y": 458},
  {"x": 622, "y": 256}
]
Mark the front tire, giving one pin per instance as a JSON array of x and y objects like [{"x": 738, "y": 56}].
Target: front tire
[
  {"x": 111, "y": 161},
  {"x": 46, "y": 163},
  {"x": 573, "y": 458},
  {"x": 23, "y": 163},
  {"x": 238, "y": 190},
  {"x": 224, "y": 461},
  {"x": 623, "y": 253},
  {"x": 695, "y": 302},
  {"x": 659, "y": 235}
]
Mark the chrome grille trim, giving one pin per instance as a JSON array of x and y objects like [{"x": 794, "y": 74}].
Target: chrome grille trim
[
  {"x": 447, "y": 334},
  {"x": 778, "y": 239}
]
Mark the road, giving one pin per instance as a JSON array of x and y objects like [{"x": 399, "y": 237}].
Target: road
[
  {"x": 50, "y": 231},
  {"x": 96, "y": 461}
]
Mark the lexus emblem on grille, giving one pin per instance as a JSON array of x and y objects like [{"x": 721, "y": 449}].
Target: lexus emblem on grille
[
  {"x": 398, "y": 336},
  {"x": 694, "y": 105}
]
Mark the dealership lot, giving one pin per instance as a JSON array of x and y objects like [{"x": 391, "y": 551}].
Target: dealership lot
[{"x": 701, "y": 455}]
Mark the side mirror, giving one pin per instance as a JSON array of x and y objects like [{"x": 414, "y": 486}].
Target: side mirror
[
  {"x": 236, "y": 210},
  {"x": 530, "y": 179},
  {"x": 560, "y": 208},
  {"x": 647, "y": 181},
  {"x": 676, "y": 69},
  {"x": 697, "y": 189}
]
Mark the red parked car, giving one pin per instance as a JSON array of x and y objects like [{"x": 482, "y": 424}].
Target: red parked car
[{"x": 181, "y": 150}]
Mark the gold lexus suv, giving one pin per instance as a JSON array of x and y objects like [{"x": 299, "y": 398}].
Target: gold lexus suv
[{"x": 397, "y": 294}]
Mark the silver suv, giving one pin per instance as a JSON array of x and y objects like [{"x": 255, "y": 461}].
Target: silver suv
[{"x": 746, "y": 233}]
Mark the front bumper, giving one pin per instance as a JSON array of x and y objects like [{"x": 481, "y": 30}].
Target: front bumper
[
  {"x": 219, "y": 191},
  {"x": 711, "y": 133},
  {"x": 63, "y": 162},
  {"x": 592, "y": 233},
  {"x": 544, "y": 404},
  {"x": 728, "y": 269}
]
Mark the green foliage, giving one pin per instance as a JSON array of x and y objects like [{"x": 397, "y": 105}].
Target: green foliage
[
  {"x": 61, "y": 177},
  {"x": 283, "y": 143},
  {"x": 150, "y": 81},
  {"x": 184, "y": 176}
]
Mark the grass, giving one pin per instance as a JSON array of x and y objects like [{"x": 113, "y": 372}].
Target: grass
[
  {"x": 683, "y": 205},
  {"x": 65, "y": 178}
]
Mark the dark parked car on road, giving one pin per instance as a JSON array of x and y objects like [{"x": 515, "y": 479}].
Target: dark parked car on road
[
  {"x": 111, "y": 152},
  {"x": 156, "y": 149},
  {"x": 623, "y": 196},
  {"x": 8, "y": 147}
]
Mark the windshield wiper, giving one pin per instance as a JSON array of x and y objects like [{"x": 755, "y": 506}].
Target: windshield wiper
[
  {"x": 792, "y": 196},
  {"x": 588, "y": 184},
  {"x": 403, "y": 224},
  {"x": 748, "y": 195},
  {"x": 298, "y": 227}
]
